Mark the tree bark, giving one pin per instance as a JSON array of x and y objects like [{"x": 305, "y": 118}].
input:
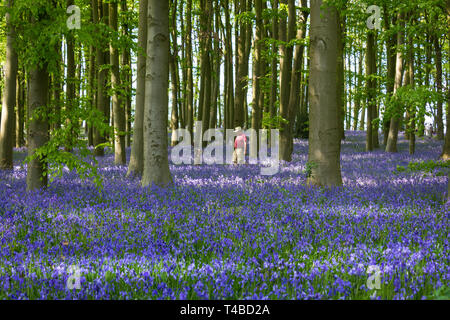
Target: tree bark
[
  {"x": 324, "y": 134},
  {"x": 156, "y": 162},
  {"x": 357, "y": 92},
  {"x": 20, "y": 101},
  {"x": 274, "y": 64},
  {"x": 446, "y": 149},
  {"x": 257, "y": 74},
  {"x": 370, "y": 85},
  {"x": 38, "y": 126},
  {"x": 136, "y": 164},
  {"x": 391, "y": 145},
  {"x": 117, "y": 99},
  {"x": 286, "y": 52},
  {"x": 241, "y": 79},
  {"x": 391, "y": 67},
  {"x": 296, "y": 75},
  {"x": 9, "y": 97},
  {"x": 440, "y": 122}
]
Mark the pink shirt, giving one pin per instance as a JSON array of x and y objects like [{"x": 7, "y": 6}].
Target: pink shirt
[{"x": 240, "y": 141}]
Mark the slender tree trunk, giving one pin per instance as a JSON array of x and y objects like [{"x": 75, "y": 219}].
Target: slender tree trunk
[
  {"x": 341, "y": 26},
  {"x": 38, "y": 127},
  {"x": 391, "y": 145},
  {"x": 274, "y": 64},
  {"x": 174, "y": 91},
  {"x": 9, "y": 97},
  {"x": 215, "y": 83},
  {"x": 391, "y": 67},
  {"x": 136, "y": 165},
  {"x": 20, "y": 101},
  {"x": 357, "y": 92},
  {"x": 102, "y": 99},
  {"x": 117, "y": 99},
  {"x": 229, "y": 67},
  {"x": 370, "y": 85},
  {"x": 241, "y": 80},
  {"x": 156, "y": 161},
  {"x": 127, "y": 76},
  {"x": 70, "y": 88},
  {"x": 286, "y": 53},
  {"x": 446, "y": 150},
  {"x": 206, "y": 79},
  {"x": 190, "y": 77},
  {"x": 410, "y": 110},
  {"x": 440, "y": 122},
  {"x": 324, "y": 134},
  {"x": 257, "y": 75},
  {"x": 296, "y": 74}
]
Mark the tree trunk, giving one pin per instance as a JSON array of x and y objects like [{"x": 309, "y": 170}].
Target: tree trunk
[
  {"x": 38, "y": 127},
  {"x": 357, "y": 92},
  {"x": 127, "y": 76},
  {"x": 117, "y": 99},
  {"x": 440, "y": 123},
  {"x": 341, "y": 26},
  {"x": 206, "y": 21},
  {"x": 174, "y": 90},
  {"x": 156, "y": 162},
  {"x": 371, "y": 87},
  {"x": 9, "y": 98},
  {"x": 70, "y": 88},
  {"x": 391, "y": 67},
  {"x": 411, "y": 112},
  {"x": 294, "y": 97},
  {"x": 241, "y": 79},
  {"x": 257, "y": 75},
  {"x": 136, "y": 165},
  {"x": 190, "y": 77},
  {"x": 446, "y": 150},
  {"x": 391, "y": 145},
  {"x": 102, "y": 98},
  {"x": 274, "y": 63},
  {"x": 286, "y": 53},
  {"x": 324, "y": 134},
  {"x": 20, "y": 101}
]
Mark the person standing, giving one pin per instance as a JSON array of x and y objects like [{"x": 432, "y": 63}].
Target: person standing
[{"x": 240, "y": 146}]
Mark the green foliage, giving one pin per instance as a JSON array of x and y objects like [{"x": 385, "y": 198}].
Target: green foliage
[
  {"x": 426, "y": 166},
  {"x": 275, "y": 122},
  {"x": 310, "y": 165},
  {"x": 443, "y": 293}
]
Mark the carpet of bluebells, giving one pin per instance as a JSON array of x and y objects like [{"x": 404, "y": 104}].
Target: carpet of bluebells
[{"x": 225, "y": 231}]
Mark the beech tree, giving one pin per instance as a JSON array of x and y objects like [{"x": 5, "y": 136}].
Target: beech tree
[
  {"x": 9, "y": 97},
  {"x": 136, "y": 165},
  {"x": 156, "y": 162},
  {"x": 324, "y": 134}
]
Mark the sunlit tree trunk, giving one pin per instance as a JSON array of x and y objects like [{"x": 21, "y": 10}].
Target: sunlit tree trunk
[
  {"x": 20, "y": 111},
  {"x": 391, "y": 145},
  {"x": 156, "y": 162},
  {"x": 446, "y": 150},
  {"x": 136, "y": 164},
  {"x": 324, "y": 134},
  {"x": 9, "y": 97},
  {"x": 440, "y": 122},
  {"x": 391, "y": 67}
]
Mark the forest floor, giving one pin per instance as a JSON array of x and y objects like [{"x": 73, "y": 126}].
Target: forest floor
[{"x": 225, "y": 231}]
